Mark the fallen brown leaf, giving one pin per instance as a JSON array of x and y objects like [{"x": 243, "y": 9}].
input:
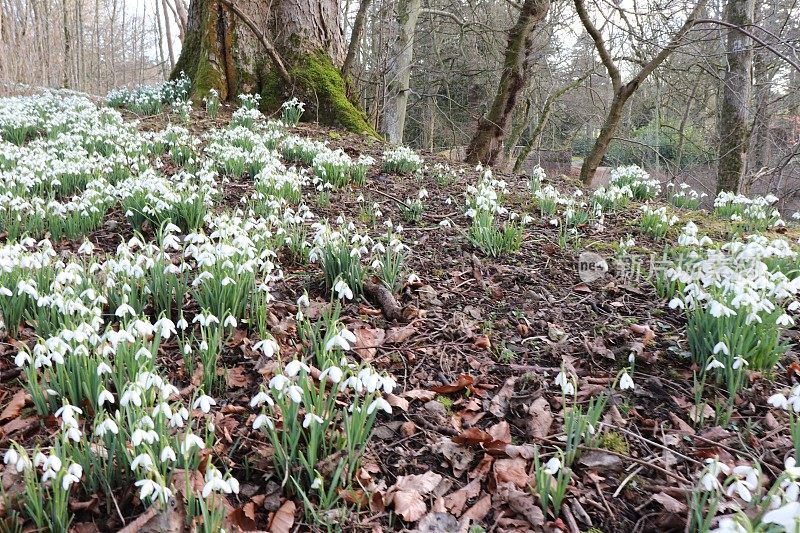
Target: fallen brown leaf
[
  {"x": 463, "y": 381},
  {"x": 499, "y": 403},
  {"x": 283, "y": 519},
  {"x": 15, "y": 406}
]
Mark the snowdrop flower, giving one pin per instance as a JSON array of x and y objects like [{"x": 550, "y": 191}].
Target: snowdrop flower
[
  {"x": 125, "y": 309},
  {"x": 149, "y": 489},
  {"x": 263, "y": 420},
  {"x": 721, "y": 347},
  {"x": 317, "y": 484},
  {"x": 729, "y": 525},
  {"x": 294, "y": 367},
  {"x": 268, "y": 346},
  {"x": 105, "y": 396},
  {"x": 552, "y": 466},
  {"x": 181, "y": 323},
  {"x": 295, "y": 393},
  {"x": 106, "y": 426},
  {"x": 168, "y": 454},
  {"x": 191, "y": 441},
  {"x": 260, "y": 399},
  {"x": 714, "y": 363},
  {"x": 565, "y": 383},
  {"x": 784, "y": 320},
  {"x": 311, "y": 417},
  {"x": 303, "y": 301},
  {"x": 165, "y": 327},
  {"x": 73, "y": 475},
  {"x": 333, "y": 373},
  {"x": 787, "y": 516},
  {"x": 103, "y": 369},
  {"x": 343, "y": 290},
  {"x": 778, "y": 400},
  {"x": 230, "y": 321},
  {"x": 205, "y": 320},
  {"x": 142, "y": 460},
  {"x": 745, "y": 482},
  {"x": 710, "y": 478},
  {"x": 625, "y": 381},
  {"x": 379, "y": 403},
  {"x": 204, "y": 402},
  {"x": 738, "y": 363}
]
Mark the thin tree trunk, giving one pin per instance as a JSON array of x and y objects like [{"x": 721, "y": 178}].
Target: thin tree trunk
[
  {"x": 355, "y": 39},
  {"x": 733, "y": 118},
  {"x": 67, "y": 45},
  {"x": 160, "y": 41},
  {"x": 487, "y": 143},
  {"x": 168, "y": 33},
  {"x": 399, "y": 75}
]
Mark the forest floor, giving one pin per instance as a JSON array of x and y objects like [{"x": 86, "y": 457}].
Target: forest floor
[{"x": 475, "y": 351}]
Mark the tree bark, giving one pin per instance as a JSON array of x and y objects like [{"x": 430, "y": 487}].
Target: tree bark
[
  {"x": 623, "y": 91},
  {"x": 222, "y": 51},
  {"x": 168, "y": 34},
  {"x": 67, "y": 44},
  {"x": 399, "y": 71},
  {"x": 734, "y": 111},
  {"x": 355, "y": 37},
  {"x": 487, "y": 143}
]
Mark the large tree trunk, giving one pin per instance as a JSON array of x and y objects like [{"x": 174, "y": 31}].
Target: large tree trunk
[
  {"x": 399, "y": 70},
  {"x": 487, "y": 143},
  {"x": 733, "y": 117},
  {"x": 244, "y": 47}
]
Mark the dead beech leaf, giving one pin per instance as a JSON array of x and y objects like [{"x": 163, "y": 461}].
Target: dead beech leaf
[
  {"x": 499, "y": 404},
  {"x": 368, "y": 340},
  {"x": 521, "y": 502},
  {"x": 501, "y": 432},
  {"x": 645, "y": 331},
  {"x": 457, "y": 500},
  {"x": 459, "y": 457},
  {"x": 237, "y": 377},
  {"x": 399, "y": 334},
  {"x": 481, "y": 508},
  {"x": 283, "y": 519},
  {"x": 541, "y": 418},
  {"x": 598, "y": 347},
  {"x": 420, "y": 394},
  {"x": 472, "y": 436},
  {"x": 463, "y": 382},
  {"x": 397, "y": 401},
  {"x": 680, "y": 425},
  {"x": 482, "y": 342},
  {"x": 512, "y": 470},
  {"x": 15, "y": 406},
  {"x": 407, "y": 495},
  {"x": 669, "y": 503},
  {"x": 244, "y": 517}
]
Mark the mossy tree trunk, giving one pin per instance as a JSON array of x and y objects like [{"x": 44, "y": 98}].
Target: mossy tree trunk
[
  {"x": 222, "y": 52},
  {"x": 487, "y": 143},
  {"x": 734, "y": 110}
]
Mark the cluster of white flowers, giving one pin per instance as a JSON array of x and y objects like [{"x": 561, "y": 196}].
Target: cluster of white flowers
[
  {"x": 754, "y": 213},
  {"x": 684, "y": 196},
  {"x": 402, "y": 159},
  {"x": 641, "y": 185}
]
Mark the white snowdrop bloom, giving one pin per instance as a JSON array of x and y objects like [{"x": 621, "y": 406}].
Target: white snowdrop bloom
[
  {"x": 144, "y": 461},
  {"x": 565, "y": 383},
  {"x": 182, "y": 324},
  {"x": 11, "y": 456},
  {"x": 261, "y": 398},
  {"x": 745, "y": 483},
  {"x": 5, "y": 291},
  {"x": 552, "y": 466},
  {"x": 124, "y": 310},
  {"x": 103, "y": 369},
  {"x": 721, "y": 347},
  {"x": 333, "y": 374},
  {"x": 73, "y": 475},
  {"x": 729, "y": 525},
  {"x": 167, "y": 454},
  {"x": 105, "y": 396},
  {"x": 165, "y": 327},
  {"x": 713, "y": 363},
  {"x": 190, "y": 442},
  {"x": 295, "y": 393},
  {"x": 279, "y": 382},
  {"x": 343, "y": 290},
  {"x": 263, "y": 420},
  {"x": 268, "y": 346},
  {"x": 786, "y": 516},
  {"x": 738, "y": 363},
  {"x": 311, "y": 418},
  {"x": 68, "y": 411},
  {"x": 205, "y": 319},
  {"x": 22, "y": 358},
  {"x": 303, "y": 301},
  {"x": 379, "y": 403},
  {"x": 710, "y": 477},
  {"x": 162, "y": 408},
  {"x": 106, "y": 426},
  {"x": 294, "y": 367},
  {"x": 785, "y": 320},
  {"x": 778, "y": 400},
  {"x": 227, "y": 281},
  {"x": 625, "y": 381},
  {"x": 204, "y": 403},
  {"x": 317, "y": 484},
  {"x": 230, "y": 321}
]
